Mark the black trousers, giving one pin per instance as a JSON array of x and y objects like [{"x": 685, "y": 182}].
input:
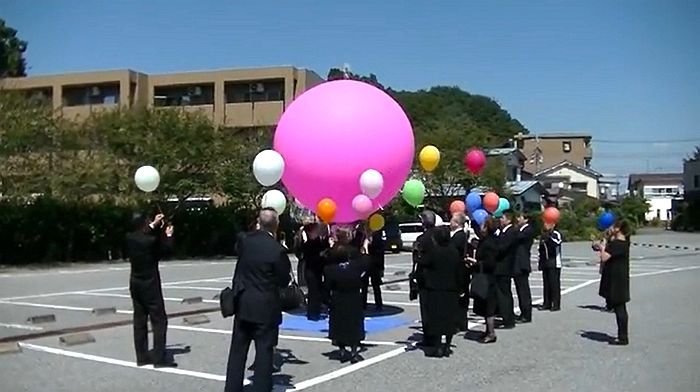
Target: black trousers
[
  {"x": 622, "y": 321},
  {"x": 375, "y": 277},
  {"x": 504, "y": 297},
  {"x": 522, "y": 287},
  {"x": 315, "y": 295},
  {"x": 265, "y": 336},
  {"x": 551, "y": 280},
  {"x": 301, "y": 271},
  {"x": 147, "y": 301}
]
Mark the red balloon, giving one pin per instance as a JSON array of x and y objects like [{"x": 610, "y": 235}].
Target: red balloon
[
  {"x": 550, "y": 215},
  {"x": 490, "y": 201},
  {"x": 457, "y": 206},
  {"x": 475, "y": 160}
]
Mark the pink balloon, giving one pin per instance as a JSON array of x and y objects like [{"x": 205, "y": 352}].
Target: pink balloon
[
  {"x": 475, "y": 160},
  {"x": 362, "y": 206},
  {"x": 336, "y": 131}
]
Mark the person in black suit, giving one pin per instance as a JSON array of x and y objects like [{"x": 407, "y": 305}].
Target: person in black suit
[
  {"x": 314, "y": 246},
  {"x": 421, "y": 247},
  {"x": 263, "y": 268},
  {"x": 458, "y": 239},
  {"x": 507, "y": 243},
  {"x": 344, "y": 279},
  {"x": 522, "y": 267},
  {"x": 550, "y": 265},
  {"x": 486, "y": 264},
  {"x": 144, "y": 247},
  {"x": 443, "y": 275},
  {"x": 375, "y": 271}
]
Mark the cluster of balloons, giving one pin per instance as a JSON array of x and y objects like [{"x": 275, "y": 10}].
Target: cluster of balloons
[
  {"x": 147, "y": 178},
  {"x": 479, "y": 208}
]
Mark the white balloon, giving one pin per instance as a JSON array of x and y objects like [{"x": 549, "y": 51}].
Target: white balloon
[
  {"x": 276, "y": 200},
  {"x": 268, "y": 167},
  {"x": 371, "y": 183},
  {"x": 147, "y": 178}
]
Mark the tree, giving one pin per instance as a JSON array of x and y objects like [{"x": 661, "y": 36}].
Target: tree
[
  {"x": 694, "y": 156},
  {"x": 12, "y": 63}
]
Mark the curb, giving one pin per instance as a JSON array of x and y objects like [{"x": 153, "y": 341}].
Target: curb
[{"x": 666, "y": 246}]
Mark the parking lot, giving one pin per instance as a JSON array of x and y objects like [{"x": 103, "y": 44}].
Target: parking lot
[{"x": 88, "y": 347}]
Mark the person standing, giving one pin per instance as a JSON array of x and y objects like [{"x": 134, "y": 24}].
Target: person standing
[
  {"x": 421, "y": 247},
  {"x": 313, "y": 249},
  {"x": 507, "y": 243},
  {"x": 615, "y": 258},
  {"x": 443, "y": 275},
  {"x": 144, "y": 249},
  {"x": 486, "y": 263},
  {"x": 522, "y": 267},
  {"x": 344, "y": 279},
  {"x": 263, "y": 268},
  {"x": 458, "y": 239},
  {"x": 550, "y": 265},
  {"x": 375, "y": 271}
]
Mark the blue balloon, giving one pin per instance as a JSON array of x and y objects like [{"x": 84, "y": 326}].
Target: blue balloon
[
  {"x": 605, "y": 220},
  {"x": 473, "y": 201},
  {"x": 480, "y": 216}
]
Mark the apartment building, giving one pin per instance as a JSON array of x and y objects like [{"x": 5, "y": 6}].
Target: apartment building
[
  {"x": 232, "y": 98},
  {"x": 659, "y": 189},
  {"x": 548, "y": 149}
]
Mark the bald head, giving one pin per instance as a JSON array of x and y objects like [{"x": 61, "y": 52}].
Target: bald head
[
  {"x": 428, "y": 219},
  {"x": 267, "y": 219}
]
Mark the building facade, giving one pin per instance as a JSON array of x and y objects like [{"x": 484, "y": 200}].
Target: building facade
[
  {"x": 691, "y": 179},
  {"x": 659, "y": 190},
  {"x": 548, "y": 149},
  {"x": 231, "y": 98},
  {"x": 570, "y": 176}
]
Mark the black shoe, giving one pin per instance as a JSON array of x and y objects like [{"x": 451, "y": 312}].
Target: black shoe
[
  {"x": 345, "y": 356},
  {"x": 523, "y": 321},
  {"x": 555, "y": 309},
  {"x": 488, "y": 339},
  {"x": 169, "y": 364},
  {"x": 619, "y": 342},
  {"x": 542, "y": 307},
  {"x": 447, "y": 350},
  {"x": 144, "y": 363},
  {"x": 356, "y": 358},
  {"x": 506, "y": 326}
]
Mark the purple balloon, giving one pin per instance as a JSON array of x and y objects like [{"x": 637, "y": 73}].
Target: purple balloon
[
  {"x": 473, "y": 201},
  {"x": 480, "y": 216}
]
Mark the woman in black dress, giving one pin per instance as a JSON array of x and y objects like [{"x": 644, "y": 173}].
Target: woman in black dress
[
  {"x": 486, "y": 261},
  {"x": 343, "y": 274},
  {"x": 615, "y": 257},
  {"x": 444, "y": 273}
]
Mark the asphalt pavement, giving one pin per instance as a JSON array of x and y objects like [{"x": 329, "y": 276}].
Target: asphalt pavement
[{"x": 564, "y": 351}]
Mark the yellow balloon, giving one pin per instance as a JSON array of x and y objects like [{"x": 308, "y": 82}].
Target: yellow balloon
[
  {"x": 376, "y": 222},
  {"x": 429, "y": 158}
]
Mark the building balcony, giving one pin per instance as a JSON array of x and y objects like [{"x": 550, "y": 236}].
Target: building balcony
[
  {"x": 250, "y": 114},
  {"x": 82, "y": 112}
]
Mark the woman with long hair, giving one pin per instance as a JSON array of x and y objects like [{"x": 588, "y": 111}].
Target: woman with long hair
[
  {"x": 615, "y": 258},
  {"x": 486, "y": 262},
  {"x": 343, "y": 276}
]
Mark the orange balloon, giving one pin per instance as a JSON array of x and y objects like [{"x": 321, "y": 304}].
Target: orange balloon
[
  {"x": 457, "y": 206},
  {"x": 326, "y": 209},
  {"x": 550, "y": 215},
  {"x": 490, "y": 201}
]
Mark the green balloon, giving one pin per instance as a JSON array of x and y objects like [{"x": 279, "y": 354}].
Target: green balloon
[{"x": 413, "y": 192}]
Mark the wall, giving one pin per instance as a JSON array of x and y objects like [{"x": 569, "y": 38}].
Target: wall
[
  {"x": 574, "y": 176},
  {"x": 659, "y": 205},
  {"x": 691, "y": 172},
  {"x": 552, "y": 152}
]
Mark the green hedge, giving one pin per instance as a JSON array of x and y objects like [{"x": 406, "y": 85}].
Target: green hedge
[{"x": 48, "y": 230}]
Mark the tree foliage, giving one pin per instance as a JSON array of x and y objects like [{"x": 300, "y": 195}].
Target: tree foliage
[{"x": 12, "y": 63}]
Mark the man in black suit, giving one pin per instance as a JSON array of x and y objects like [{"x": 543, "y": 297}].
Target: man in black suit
[
  {"x": 507, "y": 241},
  {"x": 145, "y": 247},
  {"x": 522, "y": 267},
  {"x": 458, "y": 239},
  {"x": 374, "y": 274},
  {"x": 263, "y": 268},
  {"x": 421, "y": 247}
]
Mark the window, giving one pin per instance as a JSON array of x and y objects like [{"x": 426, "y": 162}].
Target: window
[
  {"x": 587, "y": 163},
  {"x": 97, "y": 94},
  {"x": 566, "y": 146},
  {"x": 520, "y": 144},
  {"x": 184, "y": 95},
  {"x": 40, "y": 94},
  {"x": 254, "y": 91},
  {"x": 579, "y": 186},
  {"x": 670, "y": 190}
]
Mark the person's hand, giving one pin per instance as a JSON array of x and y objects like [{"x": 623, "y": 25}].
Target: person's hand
[
  {"x": 548, "y": 226},
  {"x": 158, "y": 220},
  {"x": 169, "y": 230}
]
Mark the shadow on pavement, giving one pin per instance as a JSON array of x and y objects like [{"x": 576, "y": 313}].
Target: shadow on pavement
[
  {"x": 596, "y": 336},
  {"x": 594, "y": 307}
]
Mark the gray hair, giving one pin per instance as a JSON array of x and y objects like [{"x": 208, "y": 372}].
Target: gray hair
[
  {"x": 460, "y": 219},
  {"x": 428, "y": 219},
  {"x": 267, "y": 219}
]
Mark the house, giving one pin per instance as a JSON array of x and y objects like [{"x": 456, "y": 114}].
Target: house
[
  {"x": 545, "y": 150},
  {"x": 526, "y": 195},
  {"x": 659, "y": 189},
  {"x": 570, "y": 176},
  {"x": 513, "y": 159},
  {"x": 691, "y": 179},
  {"x": 608, "y": 188}
]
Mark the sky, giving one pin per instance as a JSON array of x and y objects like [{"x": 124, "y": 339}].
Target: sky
[{"x": 625, "y": 71}]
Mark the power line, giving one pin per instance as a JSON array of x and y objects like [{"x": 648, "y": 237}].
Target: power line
[{"x": 691, "y": 140}]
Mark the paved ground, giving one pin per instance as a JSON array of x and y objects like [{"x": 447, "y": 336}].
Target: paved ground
[{"x": 558, "y": 351}]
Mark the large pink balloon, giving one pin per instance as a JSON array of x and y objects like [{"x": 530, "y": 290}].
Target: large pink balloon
[{"x": 335, "y": 131}]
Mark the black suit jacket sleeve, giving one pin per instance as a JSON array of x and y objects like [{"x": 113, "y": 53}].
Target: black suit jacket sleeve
[{"x": 283, "y": 269}]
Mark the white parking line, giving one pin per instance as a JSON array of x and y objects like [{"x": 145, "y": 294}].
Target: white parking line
[
  {"x": 21, "y": 326},
  {"x": 58, "y": 307},
  {"x": 284, "y": 337},
  {"x": 210, "y": 301}
]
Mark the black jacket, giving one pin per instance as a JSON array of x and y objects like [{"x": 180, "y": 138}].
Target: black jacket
[
  {"x": 442, "y": 269},
  {"x": 525, "y": 238},
  {"x": 263, "y": 268},
  {"x": 507, "y": 243},
  {"x": 459, "y": 241},
  {"x": 144, "y": 250},
  {"x": 550, "y": 250},
  {"x": 421, "y": 247},
  {"x": 376, "y": 252}
]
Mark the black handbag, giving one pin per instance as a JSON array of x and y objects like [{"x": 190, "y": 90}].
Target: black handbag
[
  {"x": 227, "y": 302},
  {"x": 480, "y": 285},
  {"x": 292, "y": 297}
]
